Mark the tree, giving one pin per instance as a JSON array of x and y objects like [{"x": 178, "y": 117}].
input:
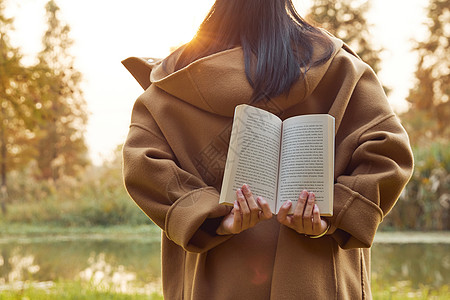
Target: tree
[
  {"x": 18, "y": 110},
  {"x": 61, "y": 146},
  {"x": 346, "y": 20},
  {"x": 429, "y": 113},
  {"x": 427, "y": 122}
]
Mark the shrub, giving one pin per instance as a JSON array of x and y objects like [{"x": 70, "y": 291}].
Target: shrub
[
  {"x": 95, "y": 197},
  {"x": 425, "y": 202}
]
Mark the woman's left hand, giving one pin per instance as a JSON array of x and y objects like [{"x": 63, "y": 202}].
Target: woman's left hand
[{"x": 306, "y": 218}]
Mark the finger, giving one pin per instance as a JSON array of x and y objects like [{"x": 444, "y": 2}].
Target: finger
[
  {"x": 237, "y": 221},
  {"x": 245, "y": 211},
  {"x": 308, "y": 213},
  {"x": 299, "y": 209},
  {"x": 265, "y": 213},
  {"x": 283, "y": 213},
  {"x": 317, "y": 221},
  {"x": 252, "y": 205}
]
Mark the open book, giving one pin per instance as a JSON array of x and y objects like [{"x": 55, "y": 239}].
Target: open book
[{"x": 278, "y": 159}]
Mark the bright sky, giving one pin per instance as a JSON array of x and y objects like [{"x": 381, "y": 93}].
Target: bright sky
[{"x": 108, "y": 31}]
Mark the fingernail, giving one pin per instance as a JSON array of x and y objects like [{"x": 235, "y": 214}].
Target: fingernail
[
  {"x": 287, "y": 203},
  {"x": 304, "y": 194},
  {"x": 239, "y": 191}
]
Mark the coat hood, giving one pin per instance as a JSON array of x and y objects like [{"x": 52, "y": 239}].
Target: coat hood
[{"x": 217, "y": 83}]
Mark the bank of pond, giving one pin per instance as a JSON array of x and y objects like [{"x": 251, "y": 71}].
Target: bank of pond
[{"x": 412, "y": 265}]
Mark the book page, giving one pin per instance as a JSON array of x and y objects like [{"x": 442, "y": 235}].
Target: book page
[
  {"x": 307, "y": 160},
  {"x": 253, "y": 155}
]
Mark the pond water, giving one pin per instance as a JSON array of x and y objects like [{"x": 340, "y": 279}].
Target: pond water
[{"x": 133, "y": 263}]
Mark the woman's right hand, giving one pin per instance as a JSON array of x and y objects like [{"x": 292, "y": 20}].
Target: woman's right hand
[{"x": 246, "y": 213}]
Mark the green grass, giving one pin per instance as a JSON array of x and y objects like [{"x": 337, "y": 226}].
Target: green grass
[
  {"x": 71, "y": 291},
  {"x": 77, "y": 290},
  {"x": 36, "y": 233},
  {"x": 18, "y": 229},
  {"x": 403, "y": 290}
]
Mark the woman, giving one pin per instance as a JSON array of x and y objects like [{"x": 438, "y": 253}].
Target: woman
[{"x": 261, "y": 52}]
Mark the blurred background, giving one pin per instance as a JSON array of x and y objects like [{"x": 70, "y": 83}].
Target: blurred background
[{"x": 68, "y": 229}]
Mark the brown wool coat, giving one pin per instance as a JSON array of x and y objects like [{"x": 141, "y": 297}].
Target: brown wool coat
[{"x": 174, "y": 158}]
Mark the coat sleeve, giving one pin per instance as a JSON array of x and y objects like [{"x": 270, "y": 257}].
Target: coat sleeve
[
  {"x": 181, "y": 204},
  {"x": 379, "y": 163}
]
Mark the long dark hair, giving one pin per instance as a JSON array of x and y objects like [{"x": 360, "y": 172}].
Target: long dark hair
[{"x": 277, "y": 42}]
